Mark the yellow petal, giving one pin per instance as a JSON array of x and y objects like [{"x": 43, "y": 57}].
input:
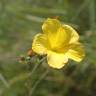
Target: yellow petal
[
  {"x": 60, "y": 39},
  {"x": 76, "y": 52},
  {"x": 39, "y": 44},
  {"x": 51, "y": 26},
  {"x": 56, "y": 34},
  {"x": 74, "y": 37},
  {"x": 56, "y": 60}
]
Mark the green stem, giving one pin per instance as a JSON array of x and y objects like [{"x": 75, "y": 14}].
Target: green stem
[
  {"x": 37, "y": 82},
  {"x": 22, "y": 76},
  {"x": 26, "y": 75}
]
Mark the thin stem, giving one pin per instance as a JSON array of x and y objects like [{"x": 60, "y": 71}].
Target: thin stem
[
  {"x": 26, "y": 75},
  {"x": 5, "y": 82},
  {"x": 22, "y": 76},
  {"x": 37, "y": 82}
]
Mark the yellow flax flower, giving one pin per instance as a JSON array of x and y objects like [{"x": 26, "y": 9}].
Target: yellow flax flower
[{"x": 59, "y": 42}]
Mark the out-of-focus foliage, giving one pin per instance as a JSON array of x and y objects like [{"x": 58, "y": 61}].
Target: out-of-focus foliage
[{"x": 20, "y": 20}]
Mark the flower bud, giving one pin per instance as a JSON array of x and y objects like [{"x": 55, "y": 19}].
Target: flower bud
[
  {"x": 21, "y": 59},
  {"x": 30, "y": 53}
]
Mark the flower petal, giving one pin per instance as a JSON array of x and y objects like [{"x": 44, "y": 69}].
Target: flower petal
[
  {"x": 50, "y": 29},
  {"x": 39, "y": 44},
  {"x": 76, "y": 52},
  {"x": 51, "y": 26},
  {"x": 56, "y": 34},
  {"x": 56, "y": 60},
  {"x": 60, "y": 39},
  {"x": 74, "y": 35}
]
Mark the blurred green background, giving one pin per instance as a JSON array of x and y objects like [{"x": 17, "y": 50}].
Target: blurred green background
[{"x": 20, "y": 20}]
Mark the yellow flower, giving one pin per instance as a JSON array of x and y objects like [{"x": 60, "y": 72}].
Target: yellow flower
[{"x": 59, "y": 42}]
